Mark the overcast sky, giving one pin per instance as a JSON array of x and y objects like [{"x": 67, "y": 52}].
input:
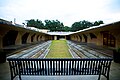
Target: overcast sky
[{"x": 66, "y": 11}]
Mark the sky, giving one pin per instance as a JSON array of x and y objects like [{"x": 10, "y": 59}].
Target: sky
[{"x": 66, "y": 11}]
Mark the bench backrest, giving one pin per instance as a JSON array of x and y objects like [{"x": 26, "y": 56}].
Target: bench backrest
[{"x": 57, "y": 66}]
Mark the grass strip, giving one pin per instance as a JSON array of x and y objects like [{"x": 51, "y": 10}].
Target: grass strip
[{"x": 59, "y": 49}]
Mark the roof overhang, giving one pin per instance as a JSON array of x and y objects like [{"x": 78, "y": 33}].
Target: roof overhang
[{"x": 60, "y": 33}]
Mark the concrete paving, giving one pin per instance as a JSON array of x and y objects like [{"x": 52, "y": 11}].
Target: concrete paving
[{"x": 4, "y": 71}]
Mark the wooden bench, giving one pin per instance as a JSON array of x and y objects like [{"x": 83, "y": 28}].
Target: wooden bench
[{"x": 67, "y": 66}]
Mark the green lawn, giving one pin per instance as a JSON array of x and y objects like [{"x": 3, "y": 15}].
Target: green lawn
[{"x": 59, "y": 49}]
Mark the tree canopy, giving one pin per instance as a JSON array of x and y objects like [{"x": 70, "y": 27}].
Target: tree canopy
[
  {"x": 84, "y": 24},
  {"x": 56, "y": 25},
  {"x": 35, "y": 23}
]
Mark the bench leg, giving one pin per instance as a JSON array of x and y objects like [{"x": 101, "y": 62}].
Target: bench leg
[
  {"x": 99, "y": 77},
  {"x": 20, "y": 77},
  {"x": 107, "y": 77},
  {"x": 12, "y": 77}
]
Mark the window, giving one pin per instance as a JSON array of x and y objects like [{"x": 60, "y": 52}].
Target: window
[{"x": 108, "y": 39}]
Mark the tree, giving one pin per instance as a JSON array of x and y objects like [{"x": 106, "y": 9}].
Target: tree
[
  {"x": 97, "y": 23},
  {"x": 31, "y": 23},
  {"x": 35, "y": 23},
  {"x": 81, "y": 25},
  {"x": 84, "y": 24},
  {"x": 54, "y": 25},
  {"x": 66, "y": 29}
]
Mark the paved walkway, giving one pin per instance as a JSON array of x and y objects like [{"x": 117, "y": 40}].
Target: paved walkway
[{"x": 4, "y": 71}]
